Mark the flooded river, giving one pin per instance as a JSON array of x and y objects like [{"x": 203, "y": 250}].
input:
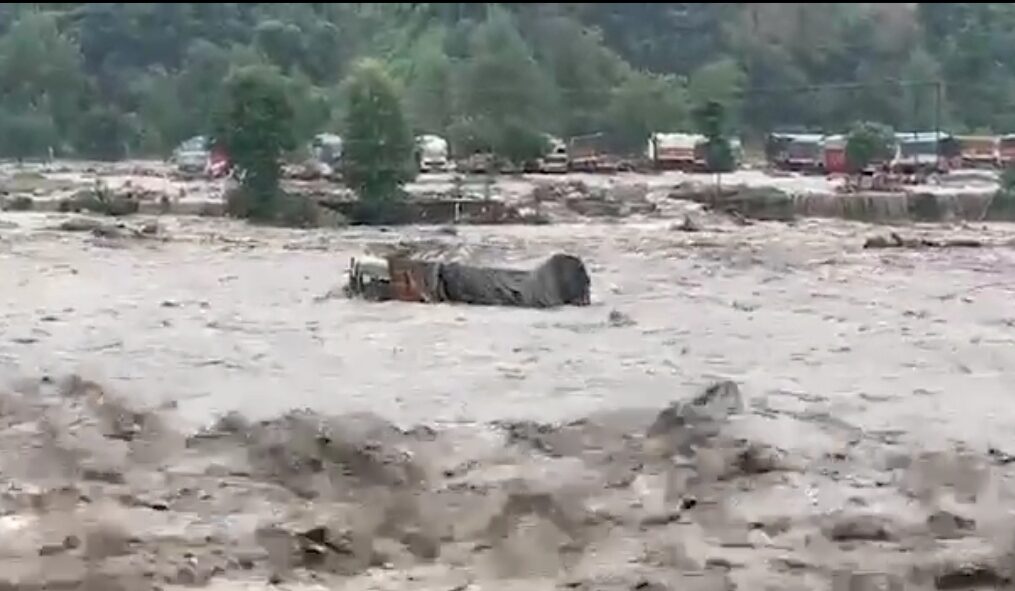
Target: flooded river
[
  {"x": 829, "y": 343},
  {"x": 222, "y": 317}
]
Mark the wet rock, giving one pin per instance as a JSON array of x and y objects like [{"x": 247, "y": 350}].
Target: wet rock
[
  {"x": 947, "y": 525},
  {"x": 422, "y": 546},
  {"x": 894, "y": 240},
  {"x": 100, "y": 474},
  {"x": 19, "y": 203},
  {"x": 540, "y": 504},
  {"x": 722, "y": 397},
  {"x": 102, "y": 200},
  {"x": 336, "y": 550},
  {"x": 619, "y": 319},
  {"x": 195, "y": 572},
  {"x": 70, "y": 542},
  {"x": 751, "y": 458},
  {"x": 684, "y": 425},
  {"x": 863, "y": 527},
  {"x": 103, "y": 540},
  {"x": 866, "y": 581},
  {"x": 689, "y": 224},
  {"x": 312, "y": 455},
  {"x": 970, "y": 575},
  {"x": 669, "y": 554},
  {"x": 87, "y": 225},
  {"x": 789, "y": 564},
  {"x": 1000, "y": 457},
  {"x": 325, "y": 548},
  {"x": 891, "y": 240}
]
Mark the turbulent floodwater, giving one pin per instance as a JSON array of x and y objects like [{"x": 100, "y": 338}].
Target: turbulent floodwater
[
  {"x": 834, "y": 347},
  {"x": 221, "y": 317}
]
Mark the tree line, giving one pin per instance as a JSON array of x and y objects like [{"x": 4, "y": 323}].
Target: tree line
[{"x": 108, "y": 80}]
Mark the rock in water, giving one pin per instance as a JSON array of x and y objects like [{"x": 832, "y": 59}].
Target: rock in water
[
  {"x": 689, "y": 423},
  {"x": 865, "y": 527},
  {"x": 689, "y": 224},
  {"x": 947, "y": 525},
  {"x": 619, "y": 319},
  {"x": 845, "y": 580},
  {"x": 721, "y": 399}
]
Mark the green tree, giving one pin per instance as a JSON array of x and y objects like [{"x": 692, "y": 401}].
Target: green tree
[
  {"x": 282, "y": 43},
  {"x": 198, "y": 85},
  {"x": 377, "y": 144},
  {"x": 430, "y": 96},
  {"x": 40, "y": 68},
  {"x": 644, "y": 104},
  {"x": 102, "y": 133},
  {"x": 506, "y": 95},
  {"x": 255, "y": 125},
  {"x": 722, "y": 81},
  {"x": 27, "y": 134},
  {"x": 711, "y": 120},
  {"x": 581, "y": 67},
  {"x": 867, "y": 143}
]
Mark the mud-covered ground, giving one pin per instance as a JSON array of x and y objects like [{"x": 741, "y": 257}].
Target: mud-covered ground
[{"x": 871, "y": 434}]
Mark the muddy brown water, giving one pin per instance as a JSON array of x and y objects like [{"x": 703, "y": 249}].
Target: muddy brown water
[{"x": 839, "y": 352}]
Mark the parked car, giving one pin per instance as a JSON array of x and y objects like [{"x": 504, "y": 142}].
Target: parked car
[
  {"x": 192, "y": 155},
  {"x": 200, "y": 155}
]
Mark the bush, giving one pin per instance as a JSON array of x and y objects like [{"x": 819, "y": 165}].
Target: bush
[
  {"x": 290, "y": 211},
  {"x": 869, "y": 143},
  {"x": 382, "y": 212}
]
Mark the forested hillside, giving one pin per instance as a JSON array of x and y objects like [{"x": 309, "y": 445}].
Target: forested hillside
[{"x": 106, "y": 80}]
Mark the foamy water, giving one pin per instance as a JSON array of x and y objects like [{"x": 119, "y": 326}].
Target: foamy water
[{"x": 225, "y": 317}]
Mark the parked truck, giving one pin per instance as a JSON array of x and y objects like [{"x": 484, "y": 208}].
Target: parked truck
[
  {"x": 588, "y": 153},
  {"x": 674, "y": 151},
  {"x": 798, "y": 152},
  {"x": 923, "y": 152},
  {"x": 556, "y": 158},
  {"x": 432, "y": 154},
  {"x": 979, "y": 151}
]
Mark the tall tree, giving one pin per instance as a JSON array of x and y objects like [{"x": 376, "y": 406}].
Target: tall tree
[
  {"x": 430, "y": 97},
  {"x": 377, "y": 144},
  {"x": 40, "y": 69},
  {"x": 255, "y": 125},
  {"x": 644, "y": 104},
  {"x": 722, "y": 81},
  {"x": 506, "y": 96},
  {"x": 581, "y": 67}
]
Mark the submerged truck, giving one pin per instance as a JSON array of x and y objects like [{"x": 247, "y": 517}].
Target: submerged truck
[{"x": 562, "y": 280}]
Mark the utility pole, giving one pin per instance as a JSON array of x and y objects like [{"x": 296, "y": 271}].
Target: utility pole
[{"x": 938, "y": 91}]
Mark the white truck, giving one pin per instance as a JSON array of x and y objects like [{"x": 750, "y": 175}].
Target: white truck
[
  {"x": 432, "y": 153},
  {"x": 674, "y": 151}
]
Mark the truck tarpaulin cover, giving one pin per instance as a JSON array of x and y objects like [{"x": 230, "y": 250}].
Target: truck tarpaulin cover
[{"x": 561, "y": 280}]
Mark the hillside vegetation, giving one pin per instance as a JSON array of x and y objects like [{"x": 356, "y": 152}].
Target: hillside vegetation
[{"x": 106, "y": 80}]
